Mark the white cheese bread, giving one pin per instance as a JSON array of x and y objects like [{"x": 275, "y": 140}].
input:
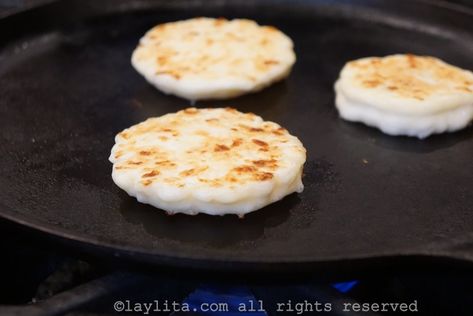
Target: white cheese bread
[
  {"x": 214, "y": 161},
  {"x": 206, "y": 58},
  {"x": 405, "y": 95}
]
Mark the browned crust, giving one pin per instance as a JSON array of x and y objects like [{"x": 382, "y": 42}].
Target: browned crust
[
  {"x": 156, "y": 162},
  {"x": 206, "y": 33},
  {"x": 411, "y": 76}
]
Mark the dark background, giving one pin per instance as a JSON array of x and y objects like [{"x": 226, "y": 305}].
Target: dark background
[{"x": 9, "y": 6}]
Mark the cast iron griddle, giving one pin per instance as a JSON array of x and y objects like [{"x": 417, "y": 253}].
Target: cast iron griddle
[{"x": 67, "y": 87}]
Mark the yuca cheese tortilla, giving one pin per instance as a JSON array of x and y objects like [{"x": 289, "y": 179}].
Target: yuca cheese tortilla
[
  {"x": 406, "y": 95},
  {"x": 213, "y": 161},
  {"x": 206, "y": 58}
]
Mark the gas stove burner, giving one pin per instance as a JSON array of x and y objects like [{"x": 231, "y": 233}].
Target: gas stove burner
[{"x": 40, "y": 278}]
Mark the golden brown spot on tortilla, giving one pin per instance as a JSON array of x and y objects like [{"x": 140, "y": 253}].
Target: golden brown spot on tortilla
[
  {"x": 263, "y": 176},
  {"x": 271, "y": 163},
  {"x": 245, "y": 168},
  {"x": 187, "y": 172},
  {"x": 237, "y": 142},
  {"x": 270, "y": 28},
  {"x": 411, "y": 59},
  {"x": 220, "y": 21},
  {"x": 232, "y": 179},
  {"x": 279, "y": 131},
  {"x": 124, "y": 135},
  {"x": 163, "y": 162},
  {"x": 162, "y": 60},
  {"x": 202, "y": 133},
  {"x": 145, "y": 153},
  {"x": 193, "y": 171},
  {"x": 211, "y": 182},
  {"x": 220, "y": 147},
  {"x": 168, "y": 130},
  {"x": 135, "y": 162},
  {"x": 166, "y": 163},
  {"x": 393, "y": 88},
  {"x": 147, "y": 182},
  {"x": 260, "y": 142},
  {"x": 191, "y": 111},
  {"x": 249, "y": 128},
  {"x": 163, "y": 138},
  {"x": 375, "y": 61},
  {"x": 150, "y": 174},
  {"x": 271, "y": 62},
  {"x": 371, "y": 83}
]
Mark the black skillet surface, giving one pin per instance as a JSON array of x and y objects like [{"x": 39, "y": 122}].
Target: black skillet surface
[{"x": 67, "y": 87}]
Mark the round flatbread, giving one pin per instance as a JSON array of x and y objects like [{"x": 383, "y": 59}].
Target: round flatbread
[
  {"x": 215, "y": 161},
  {"x": 406, "y": 94},
  {"x": 206, "y": 58}
]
